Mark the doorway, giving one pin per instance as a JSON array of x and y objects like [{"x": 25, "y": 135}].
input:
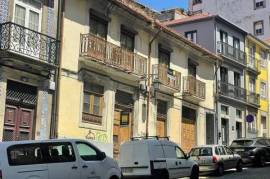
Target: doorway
[
  {"x": 210, "y": 128},
  {"x": 224, "y": 131}
]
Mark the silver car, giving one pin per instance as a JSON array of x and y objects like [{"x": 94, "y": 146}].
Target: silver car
[{"x": 215, "y": 158}]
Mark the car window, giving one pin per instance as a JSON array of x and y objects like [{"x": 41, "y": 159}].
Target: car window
[
  {"x": 87, "y": 152},
  {"x": 204, "y": 151},
  {"x": 242, "y": 143},
  {"x": 221, "y": 151},
  {"x": 268, "y": 142},
  {"x": 261, "y": 142},
  {"x": 216, "y": 151},
  {"x": 26, "y": 154},
  {"x": 228, "y": 151},
  {"x": 179, "y": 153},
  {"x": 169, "y": 151},
  {"x": 58, "y": 152}
]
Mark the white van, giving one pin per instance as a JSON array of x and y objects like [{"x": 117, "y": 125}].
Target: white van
[
  {"x": 55, "y": 159},
  {"x": 155, "y": 158}
]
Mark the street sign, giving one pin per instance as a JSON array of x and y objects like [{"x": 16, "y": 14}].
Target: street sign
[{"x": 250, "y": 118}]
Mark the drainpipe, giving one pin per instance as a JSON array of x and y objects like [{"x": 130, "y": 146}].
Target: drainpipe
[
  {"x": 55, "y": 109},
  {"x": 216, "y": 100},
  {"x": 149, "y": 81}
]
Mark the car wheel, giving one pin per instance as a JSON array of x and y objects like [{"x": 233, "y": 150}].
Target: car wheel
[
  {"x": 195, "y": 173},
  {"x": 261, "y": 161},
  {"x": 220, "y": 170},
  {"x": 239, "y": 166}
]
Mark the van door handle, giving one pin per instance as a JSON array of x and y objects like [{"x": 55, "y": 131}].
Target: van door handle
[
  {"x": 74, "y": 167},
  {"x": 180, "y": 163},
  {"x": 176, "y": 163},
  {"x": 84, "y": 166}
]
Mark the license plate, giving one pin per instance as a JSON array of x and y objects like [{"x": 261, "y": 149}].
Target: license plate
[{"x": 127, "y": 170}]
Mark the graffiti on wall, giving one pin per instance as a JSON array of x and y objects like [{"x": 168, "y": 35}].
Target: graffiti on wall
[{"x": 97, "y": 136}]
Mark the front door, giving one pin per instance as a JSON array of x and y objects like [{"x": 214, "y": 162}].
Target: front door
[
  {"x": 224, "y": 131},
  {"x": 210, "y": 127},
  {"x": 18, "y": 123},
  {"x": 161, "y": 125}
]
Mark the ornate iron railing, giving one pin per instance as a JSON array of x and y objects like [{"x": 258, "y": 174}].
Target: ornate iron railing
[
  {"x": 167, "y": 77},
  {"x": 253, "y": 63},
  {"x": 29, "y": 43},
  {"x": 99, "y": 49},
  {"x": 253, "y": 98},
  {"x": 194, "y": 87},
  {"x": 231, "y": 52},
  {"x": 232, "y": 91}
]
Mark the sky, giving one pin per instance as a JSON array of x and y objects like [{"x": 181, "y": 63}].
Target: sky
[{"x": 164, "y": 4}]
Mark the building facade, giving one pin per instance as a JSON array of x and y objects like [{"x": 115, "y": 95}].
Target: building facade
[
  {"x": 120, "y": 81},
  {"x": 233, "y": 101},
  {"x": 28, "y": 57},
  {"x": 254, "y": 18},
  {"x": 258, "y": 58}
]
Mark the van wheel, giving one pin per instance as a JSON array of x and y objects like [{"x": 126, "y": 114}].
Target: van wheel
[
  {"x": 195, "y": 173},
  {"x": 114, "y": 177},
  {"x": 239, "y": 166},
  {"x": 220, "y": 170}
]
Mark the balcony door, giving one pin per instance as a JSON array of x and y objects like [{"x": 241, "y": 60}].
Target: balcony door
[
  {"x": 27, "y": 14},
  {"x": 224, "y": 42},
  {"x": 252, "y": 51},
  {"x": 224, "y": 80},
  {"x": 236, "y": 48}
]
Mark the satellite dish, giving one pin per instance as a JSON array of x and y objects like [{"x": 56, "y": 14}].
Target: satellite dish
[{"x": 250, "y": 118}]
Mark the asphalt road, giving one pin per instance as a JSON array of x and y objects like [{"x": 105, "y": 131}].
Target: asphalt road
[{"x": 247, "y": 173}]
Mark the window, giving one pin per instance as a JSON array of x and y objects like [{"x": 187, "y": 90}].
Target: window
[
  {"x": 162, "y": 109},
  {"x": 98, "y": 26},
  {"x": 58, "y": 152},
  {"x": 259, "y": 4},
  {"x": 224, "y": 75},
  {"x": 224, "y": 110},
  {"x": 197, "y": 2},
  {"x": 221, "y": 151},
  {"x": 164, "y": 57},
  {"x": 189, "y": 113},
  {"x": 263, "y": 58},
  {"x": 192, "y": 68},
  {"x": 93, "y": 103},
  {"x": 207, "y": 151},
  {"x": 237, "y": 79},
  {"x": 263, "y": 122},
  {"x": 263, "y": 90},
  {"x": 127, "y": 39},
  {"x": 252, "y": 85},
  {"x": 179, "y": 153},
  {"x": 124, "y": 120},
  {"x": 192, "y": 36},
  {"x": 87, "y": 152},
  {"x": 25, "y": 154},
  {"x": 258, "y": 28},
  {"x": 238, "y": 114}
]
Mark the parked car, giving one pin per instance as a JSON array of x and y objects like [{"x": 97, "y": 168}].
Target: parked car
[
  {"x": 155, "y": 158},
  {"x": 55, "y": 159},
  {"x": 215, "y": 158},
  {"x": 253, "y": 151}
]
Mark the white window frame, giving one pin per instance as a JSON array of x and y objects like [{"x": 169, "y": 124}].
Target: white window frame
[
  {"x": 258, "y": 23},
  {"x": 265, "y": 92}
]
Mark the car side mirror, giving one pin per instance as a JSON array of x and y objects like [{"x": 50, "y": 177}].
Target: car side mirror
[{"x": 102, "y": 156}]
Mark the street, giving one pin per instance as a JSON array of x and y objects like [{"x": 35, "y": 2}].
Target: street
[{"x": 247, "y": 173}]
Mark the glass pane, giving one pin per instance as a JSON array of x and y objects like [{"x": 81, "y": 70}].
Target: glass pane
[
  {"x": 96, "y": 105},
  {"x": 179, "y": 153},
  {"x": 59, "y": 152},
  {"x": 86, "y": 98},
  {"x": 86, "y": 108},
  {"x": 34, "y": 21},
  {"x": 86, "y": 152},
  {"x": 19, "y": 15}
]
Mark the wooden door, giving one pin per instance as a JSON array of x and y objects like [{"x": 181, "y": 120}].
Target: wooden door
[
  {"x": 161, "y": 127},
  {"x": 121, "y": 130},
  {"x": 188, "y": 134},
  {"x": 18, "y": 123}
]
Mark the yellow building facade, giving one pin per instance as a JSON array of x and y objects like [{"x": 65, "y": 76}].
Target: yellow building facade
[{"x": 257, "y": 81}]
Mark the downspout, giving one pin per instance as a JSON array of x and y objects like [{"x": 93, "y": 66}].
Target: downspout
[
  {"x": 55, "y": 109},
  {"x": 149, "y": 81}
]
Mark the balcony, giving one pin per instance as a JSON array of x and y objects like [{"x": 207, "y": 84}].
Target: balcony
[
  {"x": 170, "y": 80},
  {"x": 193, "y": 88},
  {"x": 23, "y": 43},
  {"x": 231, "y": 53},
  {"x": 232, "y": 91},
  {"x": 97, "y": 49},
  {"x": 253, "y": 64},
  {"x": 253, "y": 98}
]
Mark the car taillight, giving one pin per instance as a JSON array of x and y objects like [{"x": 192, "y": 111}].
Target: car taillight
[{"x": 214, "y": 159}]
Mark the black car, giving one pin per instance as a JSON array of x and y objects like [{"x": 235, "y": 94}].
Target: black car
[{"x": 253, "y": 151}]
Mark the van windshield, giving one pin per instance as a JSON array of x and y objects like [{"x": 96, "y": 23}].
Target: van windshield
[
  {"x": 204, "y": 151},
  {"x": 242, "y": 143}
]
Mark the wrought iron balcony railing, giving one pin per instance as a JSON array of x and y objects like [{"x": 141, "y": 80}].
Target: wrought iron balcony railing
[
  {"x": 99, "y": 49},
  {"x": 253, "y": 63},
  {"x": 231, "y": 52},
  {"x": 253, "y": 98},
  {"x": 29, "y": 43},
  {"x": 232, "y": 91},
  {"x": 167, "y": 76},
  {"x": 194, "y": 87}
]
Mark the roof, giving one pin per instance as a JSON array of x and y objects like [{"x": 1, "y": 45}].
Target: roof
[
  {"x": 202, "y": 17},
  {"x": 265, "y": 44},
  {"x": 267, "y": 41},
  {"x": 141, "y": 14}
]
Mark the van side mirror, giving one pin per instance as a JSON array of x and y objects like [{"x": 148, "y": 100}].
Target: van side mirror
[{"x": 102, "y": 156}]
